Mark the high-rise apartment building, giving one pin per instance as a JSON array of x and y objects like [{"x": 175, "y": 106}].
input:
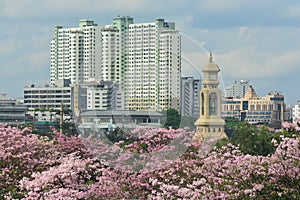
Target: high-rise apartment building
[
  {"x": 144, "y": 59},
  {"x": 75, "y": 53},
  {"x": 190, "y": 99},
  {"x": 296, "y": 111},
  {"x": 237, "y": 90},
  {"x": 110, "y": 51},
  {"x": 122, "y": 24},
  {"x": 153, "y": 71}
]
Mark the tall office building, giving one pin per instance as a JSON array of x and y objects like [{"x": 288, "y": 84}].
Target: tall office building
[
  {"x": 75, "y": 53},
  {"x": 237, "y": 90},
  {"x": 190, "y": 98},
  {"x": 154, "y": 66}
]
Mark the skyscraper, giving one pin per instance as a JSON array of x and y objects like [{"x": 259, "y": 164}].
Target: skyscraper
[
  {"x": 75, "y": 53},
  {"x": 190, "y": 89},
  {"x": 154, "y": 66},
  {"x": 143, "y": 58},
  {"x": 237, "y": 90}
]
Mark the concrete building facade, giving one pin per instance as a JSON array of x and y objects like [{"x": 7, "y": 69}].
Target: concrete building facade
[
  {"x": 154, "y": 66},
  {"x": 296, "y": 111},
  {"x": 48, "y": 97},
  {"x": 144, "y": 59},
  {"x": 237, "y": 90},
  {"x": 75, "y": 53},
  {"x": 190, "y": 96},
  {"x": 255, "y": 109},
  {"x": 100, "y": 121},
  {"x": 12, "y": 111}
]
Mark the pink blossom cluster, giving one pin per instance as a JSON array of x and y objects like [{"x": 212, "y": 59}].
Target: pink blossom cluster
[
  {"x": 150, "y": 140},
  {"x": 34, "y": 167},
  {"x": 292, "y": 126}
]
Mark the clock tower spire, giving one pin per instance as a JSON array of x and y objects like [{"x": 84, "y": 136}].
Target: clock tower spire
[{"x": 210, "y": 124}]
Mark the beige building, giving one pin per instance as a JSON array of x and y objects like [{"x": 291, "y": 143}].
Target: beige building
[
  {"x": 255, "y": 109},
  {"x": 210, "y": 124}
]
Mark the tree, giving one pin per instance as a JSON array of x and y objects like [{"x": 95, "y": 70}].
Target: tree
[
  {"x": 252, "y": 140},
  {"x": 231, "y": 124},
  {"x": 173, "y": 118},
  {"x": 35, "y": 167}
]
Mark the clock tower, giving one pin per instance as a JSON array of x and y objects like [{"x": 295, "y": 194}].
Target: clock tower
[{"x": 210, "y": 124}]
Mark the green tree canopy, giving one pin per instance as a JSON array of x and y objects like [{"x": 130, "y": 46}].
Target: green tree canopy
[{"x": 173, "y": 118}]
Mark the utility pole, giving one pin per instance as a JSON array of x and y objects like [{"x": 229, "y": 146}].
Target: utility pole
[{"x": 61, "y": 117}]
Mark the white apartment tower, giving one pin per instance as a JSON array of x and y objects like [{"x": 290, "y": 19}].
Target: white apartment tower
[
  {"x": 75, "y": 53},
  {"x": 237, "y": 90},
  {"x": 154, "y": 66},
  {"x": 143, "y": 58},
  {"x": 296, "y": 112},
  {"x": 110, "y": 51},
  {"x": 122, "y": 24}
]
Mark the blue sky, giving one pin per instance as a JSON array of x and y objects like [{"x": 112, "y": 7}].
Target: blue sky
[{"x": 255, "y": 40}]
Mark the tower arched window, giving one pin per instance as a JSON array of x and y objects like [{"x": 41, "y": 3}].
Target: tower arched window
[
  {"x": 202, "y": 103},
  {"x": 213, "y": 103}
]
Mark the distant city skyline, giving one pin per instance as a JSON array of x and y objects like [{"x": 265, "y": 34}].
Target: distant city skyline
[{"x": 255, "y": 41}]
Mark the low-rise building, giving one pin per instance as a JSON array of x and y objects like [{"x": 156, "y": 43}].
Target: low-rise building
[
  {"x": 44, "y": 103},
  {"x": 12, "y": 111},
  {"x": 100, "y": 121},
  {"x": 255, "y": 109},
  {"x": 101, "y": 95},
  {"x": 48, "y": 97}
]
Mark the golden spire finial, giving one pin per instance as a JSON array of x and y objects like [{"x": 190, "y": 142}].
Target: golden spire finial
[{"x": 210, "y": 57}]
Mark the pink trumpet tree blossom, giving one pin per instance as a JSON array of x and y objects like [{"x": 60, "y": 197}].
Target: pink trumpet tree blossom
[{"x": 145, "y": 166}]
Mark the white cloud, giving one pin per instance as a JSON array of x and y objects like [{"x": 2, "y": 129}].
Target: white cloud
[
  {"x": 244, "y": 49},
  {"x": 293, "y": 11},
  {"x": 217, "y": 6},
  {"x": 49, "y": 8},
  {"x": 251, "y": 63},
  {"x": 38, "y": 60}
]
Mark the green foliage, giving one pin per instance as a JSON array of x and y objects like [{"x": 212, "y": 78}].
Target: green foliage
[
  {"x": 252, "y": 140},
  {"x": 231, "y": 124},
  {"x": 222, "y": 142},
  {"x": 173, "y": 119},
  {"x": 117, "y": 135},
  {"x": 68, "y": 127}
]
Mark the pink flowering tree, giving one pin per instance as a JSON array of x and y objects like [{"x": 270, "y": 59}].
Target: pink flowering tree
[{"x": 146, "y": 166}]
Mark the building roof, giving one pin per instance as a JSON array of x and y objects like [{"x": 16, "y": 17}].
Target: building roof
[
  {"x": 211, "y": 66},
  {"x": 250, "y": 93},
  {"x": 119, "y": 113}
]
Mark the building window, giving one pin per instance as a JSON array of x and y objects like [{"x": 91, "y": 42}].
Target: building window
[
  {"x": 212, "y": 77},
  {"x": 213, "y": 101},
  {"x": 202, "y": 103}
]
